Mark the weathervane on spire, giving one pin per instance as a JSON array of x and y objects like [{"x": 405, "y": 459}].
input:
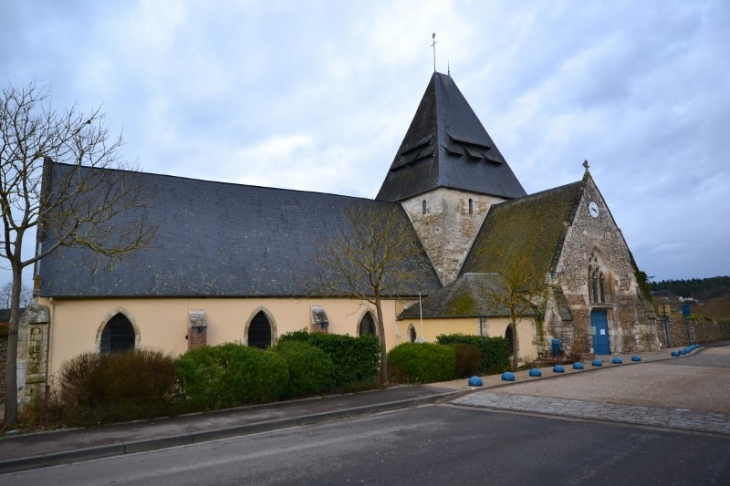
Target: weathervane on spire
[{"x": 433, "y": 36}]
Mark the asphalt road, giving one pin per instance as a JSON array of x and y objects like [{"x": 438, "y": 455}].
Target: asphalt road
[{"x": 426, "y": 445}]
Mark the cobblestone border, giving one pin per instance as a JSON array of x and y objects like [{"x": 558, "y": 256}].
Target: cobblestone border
[{"x": 674, "y": 418}]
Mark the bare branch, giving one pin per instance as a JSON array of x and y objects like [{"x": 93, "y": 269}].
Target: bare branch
[
  {"x": 375, "y": 255},
  {"x": 84, "y": 203}
]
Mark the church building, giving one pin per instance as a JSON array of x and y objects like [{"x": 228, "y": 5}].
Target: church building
[{"x": 230, "y": 261}]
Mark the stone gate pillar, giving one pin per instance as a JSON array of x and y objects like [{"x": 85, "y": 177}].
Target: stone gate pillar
[{"x": 33, "y": 353}]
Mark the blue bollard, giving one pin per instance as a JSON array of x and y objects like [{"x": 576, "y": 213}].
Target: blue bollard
[
  {"x": 475, "y": 381},
  {"x": 534, "y": 372},
  {"x": 578, "y": 365},
  {"x": 617, "y": 360},
  {"x": 675, "y": 353},
  {"x": 596, "y": 362},
  {"x": 507, "y": 376},
  {"x": 558, "y": 369},
  {"x": 636, "y": 358}
]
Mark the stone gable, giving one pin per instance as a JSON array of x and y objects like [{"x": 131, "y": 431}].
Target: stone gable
[{"x": 595, "y": 272}]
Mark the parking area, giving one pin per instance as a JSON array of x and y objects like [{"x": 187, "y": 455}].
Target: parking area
[{"x": 688, "y": 393}]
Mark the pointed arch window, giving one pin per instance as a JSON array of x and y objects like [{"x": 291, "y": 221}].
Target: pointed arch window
[
  {"x": 367, "y": 325},
  {"x": 118, "y": 335},
  {"x": 259, "y": 331},
  {"x": 597, "y": 285},
  {"x": 412, "y": 336}
]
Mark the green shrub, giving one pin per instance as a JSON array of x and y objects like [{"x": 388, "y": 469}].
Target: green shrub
[
  {"x": 494, "y": 350},
  {"x": 310, "y": 368},
  {"x": 355, "y": 359},
  {"x": 468, "y": 359},
  {"x": 421, "y": 363},
  {"x": 116, "y": 387},
  {"x": 231, "y": 374}
]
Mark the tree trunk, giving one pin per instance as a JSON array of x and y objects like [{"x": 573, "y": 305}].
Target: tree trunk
[
  {"x": 381, "y": 334},
  {"x": 515, "y": 344},
  {"x": 11, "y": 366}
]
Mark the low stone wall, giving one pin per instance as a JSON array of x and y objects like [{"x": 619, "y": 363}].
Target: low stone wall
[{"x": 699, "y": 331}]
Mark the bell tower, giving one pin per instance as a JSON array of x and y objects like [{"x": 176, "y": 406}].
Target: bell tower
[{"x": 447, "y": 174}]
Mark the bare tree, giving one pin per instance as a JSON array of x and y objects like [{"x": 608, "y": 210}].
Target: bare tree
[
  {"x": 522, "y": 289},
  {"x": 376, "y": 255},
  {"x": 6, "y": 294},
  {"x": 79, "y": 204}
]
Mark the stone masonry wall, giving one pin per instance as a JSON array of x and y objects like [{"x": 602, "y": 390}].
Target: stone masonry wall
[
  {"x": 448, "y": 226},
  {"x": 599, "y": 242},
  {"x": 699, "y": 331}
]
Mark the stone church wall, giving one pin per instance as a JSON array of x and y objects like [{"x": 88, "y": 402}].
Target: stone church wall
[
  {"x": 598, "y": 242},
  {"x": 448, "y": 225}
]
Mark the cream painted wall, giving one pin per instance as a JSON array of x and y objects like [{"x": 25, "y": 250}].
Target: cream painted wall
[
  {"x": 76, "y": 325},
  {"x": 493, "y": 327}
]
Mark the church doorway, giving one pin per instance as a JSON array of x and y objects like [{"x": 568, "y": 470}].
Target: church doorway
[
  {"x": 259, "y": 331},
  {"x": 510, "y": 339},
  {"x": 599, "y": 323}
]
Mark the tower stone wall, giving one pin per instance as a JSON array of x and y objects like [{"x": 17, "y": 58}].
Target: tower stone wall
[{"x": 447, "y": 221}]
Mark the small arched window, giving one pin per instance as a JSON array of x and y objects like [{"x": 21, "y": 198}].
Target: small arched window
[
  {"x": 367, "y": 325},
  {"x": 118, "y": 335},
  {"x": 471, "y": 206},
  {"x": 259, "y": 331},
  {"x": 412, "y": 336},
  {"x": 423, "y": 206}
]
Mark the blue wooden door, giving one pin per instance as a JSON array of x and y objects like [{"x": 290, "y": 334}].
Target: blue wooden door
[{"x": 599, "y": 323}]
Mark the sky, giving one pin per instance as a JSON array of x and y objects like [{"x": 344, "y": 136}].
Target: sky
[{"x": 318, "y": 95}]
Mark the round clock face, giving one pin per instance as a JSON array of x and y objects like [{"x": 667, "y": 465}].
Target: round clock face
[{"x": 593, "y": 209}]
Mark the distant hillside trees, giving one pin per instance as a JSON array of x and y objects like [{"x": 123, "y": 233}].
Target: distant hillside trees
[{"x": 697, "y": 288}]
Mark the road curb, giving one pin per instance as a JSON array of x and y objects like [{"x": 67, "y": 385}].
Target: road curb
[{"x": 110, "y": 450}]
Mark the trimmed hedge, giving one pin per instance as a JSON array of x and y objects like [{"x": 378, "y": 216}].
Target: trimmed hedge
[
  {"x": 494, "y": 350},
  {"x": 468, "y": 360},
  {"x": 355, "y": 359},
  {"x": 231, "y": 374},
  {"x": 310, "y": 368},
  {"x": 421, "y": 363}
]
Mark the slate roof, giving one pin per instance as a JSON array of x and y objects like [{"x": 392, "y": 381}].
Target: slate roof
[
  {"x": 465, "y": 297},
  {"x": 447, "y": 146},
  {"x": 535, "y": 225},
  {"x": 214, "y": 239}
]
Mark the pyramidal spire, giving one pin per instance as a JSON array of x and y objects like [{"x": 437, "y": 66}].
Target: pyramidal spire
[{"x": 447, "y": 146}]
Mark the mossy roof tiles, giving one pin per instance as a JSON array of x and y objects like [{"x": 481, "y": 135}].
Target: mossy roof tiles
[
  {"x": 465, "y": 297},
  {"x": 534, "y": 225}
]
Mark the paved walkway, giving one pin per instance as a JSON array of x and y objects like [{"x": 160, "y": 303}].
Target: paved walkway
[{"x": 28, "y": 451}]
